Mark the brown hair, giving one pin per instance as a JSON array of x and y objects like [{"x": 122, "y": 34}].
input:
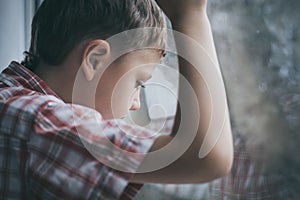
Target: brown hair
[{"x": 59, "y": 25}]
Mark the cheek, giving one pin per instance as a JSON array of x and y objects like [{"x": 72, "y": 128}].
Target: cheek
[
  {"x": 121, "y": 99},
  {"x": 113, "y": 98}
]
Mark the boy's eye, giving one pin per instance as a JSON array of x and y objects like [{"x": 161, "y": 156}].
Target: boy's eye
[{"x": 140, "y": 84}]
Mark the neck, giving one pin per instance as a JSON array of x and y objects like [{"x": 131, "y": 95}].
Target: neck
[{"x": 59, "y": 78}]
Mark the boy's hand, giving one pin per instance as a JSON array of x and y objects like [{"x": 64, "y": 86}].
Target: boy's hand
[{"x": 175, "y": 9}]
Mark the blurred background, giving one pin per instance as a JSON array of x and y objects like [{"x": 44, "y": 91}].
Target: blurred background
[{"x": 259, "y": 52}]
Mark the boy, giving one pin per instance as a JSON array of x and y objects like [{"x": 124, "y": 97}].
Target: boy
[{"x": 48, "y": 130}]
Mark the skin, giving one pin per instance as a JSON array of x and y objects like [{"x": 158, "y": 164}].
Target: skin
[
  {"x": 123, "y": 81},
  {"x": 89, "y": 59},
  {"x": 118, "y": 90}
]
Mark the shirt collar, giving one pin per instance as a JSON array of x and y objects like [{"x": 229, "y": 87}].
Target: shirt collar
[{"x": 16, "y": 75}]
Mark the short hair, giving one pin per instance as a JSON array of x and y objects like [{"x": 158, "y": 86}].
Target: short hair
[{"x": 60, "y": 25}]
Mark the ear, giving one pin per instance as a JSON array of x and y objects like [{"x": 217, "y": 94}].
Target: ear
[{"x": 95, "y": 56}]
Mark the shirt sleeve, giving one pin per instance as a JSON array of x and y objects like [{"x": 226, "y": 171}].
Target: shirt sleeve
[{"x": 75, "y": 154}]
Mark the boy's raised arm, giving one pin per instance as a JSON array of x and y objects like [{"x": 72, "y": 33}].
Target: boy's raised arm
[{"x": 190, "y": 18}]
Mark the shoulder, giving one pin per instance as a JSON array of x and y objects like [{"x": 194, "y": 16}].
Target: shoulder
[{"x": 18, "y": 111}]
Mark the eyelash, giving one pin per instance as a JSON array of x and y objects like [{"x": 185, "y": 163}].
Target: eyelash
[{"x": 140, "y": 83}]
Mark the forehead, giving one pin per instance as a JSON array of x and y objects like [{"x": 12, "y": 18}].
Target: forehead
[
  {"x": 146, "y": 55},
  {"x": 140, "y": 62}
]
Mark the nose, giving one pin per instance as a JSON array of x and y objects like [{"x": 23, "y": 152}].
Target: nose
[{"x": 135, "y": 101}]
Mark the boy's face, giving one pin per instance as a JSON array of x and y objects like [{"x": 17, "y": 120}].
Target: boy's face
[{"x": 120, "y": 85}]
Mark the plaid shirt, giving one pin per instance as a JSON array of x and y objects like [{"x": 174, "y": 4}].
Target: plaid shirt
[{"x": 41, "y": 154}]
